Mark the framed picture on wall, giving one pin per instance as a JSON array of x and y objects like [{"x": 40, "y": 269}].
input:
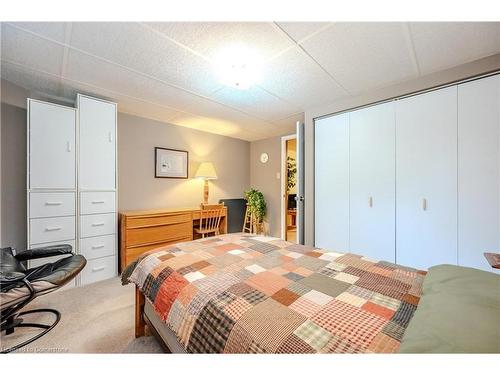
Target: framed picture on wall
[{"x": 170, "y": 163}]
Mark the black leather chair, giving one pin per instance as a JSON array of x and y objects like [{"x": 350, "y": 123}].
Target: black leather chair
[{"x": 19, "y": 285}]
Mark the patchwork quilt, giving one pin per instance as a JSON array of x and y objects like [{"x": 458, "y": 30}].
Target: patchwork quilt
[{"x": 241, "y": 293}]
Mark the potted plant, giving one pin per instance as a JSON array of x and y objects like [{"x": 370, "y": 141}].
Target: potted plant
[{"x": 256, "y": 207}]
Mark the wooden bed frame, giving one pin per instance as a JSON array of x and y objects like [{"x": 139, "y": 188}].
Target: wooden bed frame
[{"x": 140, "y": 323}]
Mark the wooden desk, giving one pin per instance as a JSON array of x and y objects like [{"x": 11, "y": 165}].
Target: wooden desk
[{"x": 141, "y": 231}]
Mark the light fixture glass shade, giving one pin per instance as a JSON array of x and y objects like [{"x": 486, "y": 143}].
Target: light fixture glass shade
[{"x": 206, "y": 171}]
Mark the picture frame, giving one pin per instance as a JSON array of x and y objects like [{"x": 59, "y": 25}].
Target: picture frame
[{"x": 171, "y": 163}]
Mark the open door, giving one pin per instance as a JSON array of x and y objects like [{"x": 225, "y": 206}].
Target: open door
[{"x": 300, "y": 183}]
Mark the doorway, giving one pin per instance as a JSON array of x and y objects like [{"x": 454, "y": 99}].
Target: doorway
[{"x": 289, "y": 173}]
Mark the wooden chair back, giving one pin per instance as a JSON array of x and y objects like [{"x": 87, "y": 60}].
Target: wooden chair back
[{"x": 210, "y": 217}]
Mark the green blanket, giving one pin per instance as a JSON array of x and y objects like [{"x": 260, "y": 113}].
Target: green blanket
[{"x": 459, "y": 312}]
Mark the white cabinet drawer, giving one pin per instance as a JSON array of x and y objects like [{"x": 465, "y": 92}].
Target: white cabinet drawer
[
  {"x": 53, "y": 229},
  {"x": 97, "y": 202},
  {"x": 97, "y": 225},
  {"x": 99, "y": 269},
  {"x": 52, "y": 204},
  {"x": 97, "y": 247}
]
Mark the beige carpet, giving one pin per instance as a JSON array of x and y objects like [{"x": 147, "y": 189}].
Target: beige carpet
[{"x": 98, "y": 318}]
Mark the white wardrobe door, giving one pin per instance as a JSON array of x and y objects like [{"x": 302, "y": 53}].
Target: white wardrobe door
[
  {"x": 478, "y": 171},
  {"x": 426, "y": 179},
  {"x": 332, "y": 182},
  {"x": 51, "y": 146},
  {"x": 97, "y": 144},
  {"x": 372, "y": 182}
]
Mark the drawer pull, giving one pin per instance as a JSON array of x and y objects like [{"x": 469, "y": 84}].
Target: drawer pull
[
  {"x": 97, "y": 269},
  {"x": 97, "y": 246},
  {"x": 52, "y": 229},
  {"x": 97, "y": 224},
  {"x": 53, "y": 203},
  {"x": 97, "y": 202}
]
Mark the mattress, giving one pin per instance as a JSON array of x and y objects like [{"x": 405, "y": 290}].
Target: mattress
[
  {"x": 241, "y": 293},
  {"x": 166, "y": 334}
]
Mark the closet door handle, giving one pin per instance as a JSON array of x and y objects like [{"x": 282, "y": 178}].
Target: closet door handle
[
  {"x": 370, "y": 202},
  {"x": 68, "y": 146},
  {"x": 424, "y": 204},
  {"x": 53, "y": 203},
  {"x": 110, "y": 137},
  {"x": 97, "y": 202},
  {"x": 95, "y": 247},
  {"x": 97, "y": 269},
  {"x": 52, "y": 229},
  {"x": 97, "y": 224}
]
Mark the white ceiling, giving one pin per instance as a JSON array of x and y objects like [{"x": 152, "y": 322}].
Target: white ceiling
[{"x": 164, "y": 71}]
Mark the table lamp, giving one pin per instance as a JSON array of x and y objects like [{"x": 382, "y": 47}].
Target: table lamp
[{"x": 206, "y": 171}]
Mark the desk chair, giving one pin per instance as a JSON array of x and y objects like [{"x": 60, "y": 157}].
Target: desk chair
[
  {"x": 210, "y": 217},
  {"x": 19, "y": 285}
]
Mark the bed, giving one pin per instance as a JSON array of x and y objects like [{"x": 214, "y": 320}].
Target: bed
[{"x": 242, "y": 293}]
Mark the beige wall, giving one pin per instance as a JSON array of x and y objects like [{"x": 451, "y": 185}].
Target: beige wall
[
  {"x": 266, "y": 177},
  {"x": 13, "y": 176},
  {"x": 485, "y": 65},
  {"x": 138, "y": 189}
]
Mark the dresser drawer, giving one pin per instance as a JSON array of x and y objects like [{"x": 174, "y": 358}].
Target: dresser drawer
[
  {"x": 99, "y": 269},
  {"x": 97, "y": 225},
  {"x": 52, "y": 204},
  {"x": 98, "y": 247},
  {"x": 53, "y": 229},
  {"x": 97, "y": 202},
  {"x": 157, "y": 234}
]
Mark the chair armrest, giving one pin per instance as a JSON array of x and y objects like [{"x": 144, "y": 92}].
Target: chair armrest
[
  {"x": 11, "y": 277},
  {"x": 44, "y": 252}
]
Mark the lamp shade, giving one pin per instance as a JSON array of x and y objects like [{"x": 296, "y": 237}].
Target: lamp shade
[{"x": 206, "y": 171}]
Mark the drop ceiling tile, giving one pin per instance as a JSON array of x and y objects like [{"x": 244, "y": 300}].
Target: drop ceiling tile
[
  {"x": 52, "y": 30},
  {"x": 30, "y": 79},
  {"x": 125, "y": 104},
  {"x": 441, "y": 45},
  {"x": 98, "y": 73},
  {"x": 209, "y": 38},
  {"x": 212, "y": 125},
  {"x": 301, "y": 30},
  {"x": 290, "y": 122},
  {"x": 294, "y": 77},
  {"x": 363, "y": 56},
  {"x": 137, "y": 47},
  {"x": 31, "y": 51},
  {"x": 255, "y": 101}
]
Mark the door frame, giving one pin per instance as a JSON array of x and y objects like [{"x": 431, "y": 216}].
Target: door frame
[{"x": 284, "y": 139}]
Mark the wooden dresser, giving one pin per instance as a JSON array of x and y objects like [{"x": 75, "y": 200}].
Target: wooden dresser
[{"x": 141, "y": 231}]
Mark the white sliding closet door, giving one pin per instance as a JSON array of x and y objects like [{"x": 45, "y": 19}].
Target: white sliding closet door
[
  {"x": 372, "y": 182},
  {"x": 426, "y": 179},
  {"x": 478, "y": 171},
  {"x": 332, "y": 182}
]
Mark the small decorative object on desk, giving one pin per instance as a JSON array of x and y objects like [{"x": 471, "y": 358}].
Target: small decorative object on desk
[
  {"x": 170, "y": 163},
  {"x": 256, "y": 211},
  {"x": 493, "y": 259}
]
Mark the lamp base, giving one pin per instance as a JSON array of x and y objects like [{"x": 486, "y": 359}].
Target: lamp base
[{"x": 205, "y": 192}]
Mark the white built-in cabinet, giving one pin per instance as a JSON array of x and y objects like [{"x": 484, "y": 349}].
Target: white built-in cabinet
[
  {"x": 332, "y": 182},
  {"x": 71, "y": 181},
  {"x": 420, "y": 176}
]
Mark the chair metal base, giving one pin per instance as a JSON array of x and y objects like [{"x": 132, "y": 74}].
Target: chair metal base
[{"x": 16, "y": 321}]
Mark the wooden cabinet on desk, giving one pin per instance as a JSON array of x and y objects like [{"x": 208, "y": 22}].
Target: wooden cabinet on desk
[{"x": 141, "y": 231}]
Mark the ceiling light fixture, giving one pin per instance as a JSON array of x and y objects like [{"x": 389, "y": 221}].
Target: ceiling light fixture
[{"x": 238, "y": 66}]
